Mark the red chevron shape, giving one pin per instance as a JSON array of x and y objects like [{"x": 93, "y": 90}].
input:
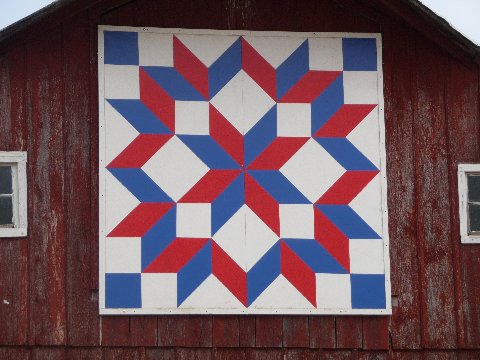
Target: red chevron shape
[
  {"x": 262, "y": 204},
  {"x": 190, "y": 67},
  {"x": 347, "y": 187},
  {"x": 226, "y": 135},
  {"x": 298, "y": 273},
  {"x": 139, "y": 151},
  {"x": 140, "y": 220},
  {"x": 176, "y": 255},
  {"x": 259, "y": 69},
  {"x": 332, "y": 239},
  {"x": 157, "y": 100},
  {"x": 278, "y": 153},
  {"x": 310, "y": 86},
  {"x": 227, "y": 271},
  {"x": 210, "y": 186},
  {"x": 344, "y": 120}
]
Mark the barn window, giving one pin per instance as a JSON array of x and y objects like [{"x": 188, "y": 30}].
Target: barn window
[
  {"x": 469, "y": 202},
  {"x": 13, "y": 194}
]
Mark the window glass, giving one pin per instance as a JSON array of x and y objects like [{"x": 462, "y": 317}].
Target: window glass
[
  {"x": 473, "y": 188},
  {"x": 6, "y": 210},
  {"x": 5, "y": 179},
  {"x": 474, "y": 217}
]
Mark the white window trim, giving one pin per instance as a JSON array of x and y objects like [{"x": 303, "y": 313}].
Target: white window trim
[
  {"x": 18, "y": 161},
  {"x": 463, "y": 171}
]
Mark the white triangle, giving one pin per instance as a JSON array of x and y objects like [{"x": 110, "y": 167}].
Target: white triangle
[
  {"x": 211, "y": 294},
  {"x": 281, "y": 294},
  {"x": 368, "y": 204},
  {"x": 119, "y": 202},
  {"x": 208, "y": 48},
  {"x": 366, "y": 137},
  {"x": 231, "y": 237},
  {"x": 259, "y": 237},
  {"x": 275, "y": 49},
  {"x": 120, "y": 133}
]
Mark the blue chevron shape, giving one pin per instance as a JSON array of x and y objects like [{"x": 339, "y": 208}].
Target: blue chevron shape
[
  {"x": 315, "y": 256},
  {"x": 327, "y": 104},
  {"x": 228, "y": 203},
  {"x": 194, "y": 273},
  {"x": 173, "y": 83},
  {"x": 159, "y": 237},
  {"x": 140, "y": 185},
  {"x": 346, "y": 154},
  {"x": 263, "y": 273},
  {"x": 279, "y": 187},
  {"x": 139, "y": 116},
  {"x": 292, "y": 69},
  {"x": 348, "y": 221},
  {"x": 261, "y": 135},
  {"x": 209, "y": 152},
  {"x": 225, "y": 68}
]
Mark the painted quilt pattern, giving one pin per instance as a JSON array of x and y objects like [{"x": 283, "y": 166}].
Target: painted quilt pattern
[{"x": 241, "y": 173}]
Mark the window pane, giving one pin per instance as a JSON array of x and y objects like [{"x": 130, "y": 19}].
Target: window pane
[
  {"x": 474, "y": 217},
  {"x": 5, "y": 179},
  {"x": 474, "y": 188},
  {"x": 6, "y": 211}
]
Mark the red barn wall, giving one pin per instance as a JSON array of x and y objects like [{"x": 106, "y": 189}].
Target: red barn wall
[{"x": 49, "y": 281}]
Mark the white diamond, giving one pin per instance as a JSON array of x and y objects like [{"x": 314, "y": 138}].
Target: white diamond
[
  {"x": 312, "y": 170},
  {"x": 243, "y": 102},
  {"x": 175, "y": 168}
]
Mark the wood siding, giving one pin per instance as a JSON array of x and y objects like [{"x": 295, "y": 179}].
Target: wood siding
[{"x": 49, "y": 281}]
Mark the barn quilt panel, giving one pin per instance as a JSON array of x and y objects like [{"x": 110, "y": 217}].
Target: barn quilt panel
[{"x": 241, "y": 172}]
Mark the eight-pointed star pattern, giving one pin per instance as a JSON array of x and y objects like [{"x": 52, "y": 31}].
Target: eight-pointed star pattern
[{"x": 253, "y": 163}]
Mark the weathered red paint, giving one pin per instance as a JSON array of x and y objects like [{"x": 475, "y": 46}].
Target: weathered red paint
[{"x": 49, "y": 107}]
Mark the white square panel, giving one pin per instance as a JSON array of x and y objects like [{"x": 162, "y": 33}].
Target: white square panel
[
  {"x": 124, "y": 255},
  {"x": 360, "y": 87},
  {"x": 194, "y": 220},
  {"x": 159, "y": 290},
  {"x": 192, "y": 117},
  {"x": 296, "y": 221},
  {"x": 175, "y": 168},
  {"x": 334, "y": 291},
  {"x": 121, "y": 82},
  {"x": 366, "y": 256},
  {"x": 155, "y": 49},
  {"x": 294, "y": 120},
  {"x": 325, "y": 54},
  {"x": 322, "y": 169}
]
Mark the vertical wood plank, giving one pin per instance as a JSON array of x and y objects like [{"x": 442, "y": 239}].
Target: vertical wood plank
[
  {"x": 230, "y": 353},
  {"x": 225, "y": 331},
  {"x": 375, "y": 333},
  {"x": 463, "y": 119},
  {"x": 297, "y": 354},
  {"x": 82, "y": 307},
  {"x": 14, "y": 353},
  {"x": 84, "y": 353},
  {"x": 187, "y": 331},
  {"x": 348, "y": 332},
  {"x": 296, "y": 331},
  {"x": 264, "y": 354},
  {"x": 48, "y": 353},
  {"x": 322, "y": 332},
  {"x": 398, "y": 94},
  {"x": 194, "y": 354},
  {"x": 246, "y": 329},
  {"x": 123, "y": 354},
  {"x": 268, "y": 331},
  {"x": 159, "y": 354},
  {"x": 13, "y": 252},
  {"x": 433, "y": 199},
  {"x": 372, "y": 355},
  {"x": 46, "y": 168}
]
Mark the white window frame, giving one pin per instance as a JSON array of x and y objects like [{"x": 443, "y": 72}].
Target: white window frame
[
  {"x": 463, "y": 171},
  {"x": 18, "y": 162}
]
